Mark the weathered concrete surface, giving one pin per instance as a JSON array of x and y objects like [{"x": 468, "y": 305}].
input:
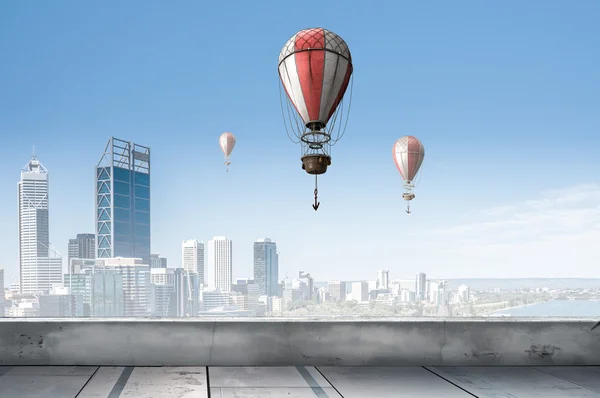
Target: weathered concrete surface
[{"x": 298, "y": 341}]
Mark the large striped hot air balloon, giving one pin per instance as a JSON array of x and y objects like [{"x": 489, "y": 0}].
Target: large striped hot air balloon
[
  {"x": 408, "y": 154},
  {"x": 315, "y": 69},
  {"x": 227, "y": 142}
]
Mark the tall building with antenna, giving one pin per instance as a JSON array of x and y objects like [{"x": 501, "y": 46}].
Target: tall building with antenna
[
  {"x": 40, "y": 265},
  {"x": 123, "y": 201}
]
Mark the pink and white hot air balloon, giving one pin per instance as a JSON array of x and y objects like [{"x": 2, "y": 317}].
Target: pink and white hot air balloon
[
  {"x": 315, "y": 69},
  {"x": 408, "y": 154},
  {"x": 227, "y": 142}
]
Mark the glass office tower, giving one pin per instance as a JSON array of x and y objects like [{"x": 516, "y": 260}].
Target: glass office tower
[
  {"x": 123, "y": 201},
  {"x": 266, "y": 267}
]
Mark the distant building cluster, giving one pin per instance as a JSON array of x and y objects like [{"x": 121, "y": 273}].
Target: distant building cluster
[
  {"x": 113, "y": 272},
  {"x": 386, "y": 291}
]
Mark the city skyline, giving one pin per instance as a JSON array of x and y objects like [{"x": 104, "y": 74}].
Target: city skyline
[
  {"x": 581, "y": 194},
  {"x": 491, "y": 201}
]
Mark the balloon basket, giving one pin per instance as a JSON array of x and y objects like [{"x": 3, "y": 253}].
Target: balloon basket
[
  {"x": 316, "y": 164},
  {"x": 408, "y": 196}
]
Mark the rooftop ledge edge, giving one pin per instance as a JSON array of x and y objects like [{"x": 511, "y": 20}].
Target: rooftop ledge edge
[{"x": 523, "y": 320}]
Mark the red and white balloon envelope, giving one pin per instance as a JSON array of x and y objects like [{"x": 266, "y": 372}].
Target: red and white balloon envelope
[
  {"x": 227, "y": 142},
  {"x": 408, "y": 154}
]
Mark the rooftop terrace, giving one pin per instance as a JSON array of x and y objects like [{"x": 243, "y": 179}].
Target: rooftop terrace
[{"x": 299, "y": 358}]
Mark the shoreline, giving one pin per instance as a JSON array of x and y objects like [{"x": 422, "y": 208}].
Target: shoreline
[{"x": 499, "y": 312}]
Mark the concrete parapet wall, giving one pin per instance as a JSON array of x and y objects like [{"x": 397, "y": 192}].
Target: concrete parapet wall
[{"x": 299, "y": 341}]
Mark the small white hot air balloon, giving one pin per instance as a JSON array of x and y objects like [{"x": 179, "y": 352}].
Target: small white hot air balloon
[
  {"x": 408, "y": 154},
  {"x": 227, "y": 142}
]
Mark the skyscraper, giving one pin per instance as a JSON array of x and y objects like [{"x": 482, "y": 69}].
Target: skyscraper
[
  {"x": 187, "y": 293},
  {"x": 123, "y": 201},
  {"x": 156, "y": 261},
  {"x": 337, "y": 290},
  {"x": 40, "y": 265},
  {"x": 310, "y": 285},
  {"x": 383, "y": 279},
  {"x": 137, "y": 288},
  {"x": 266, "y": 267},
  {"x": 220, "y": 263},
  {"x": 421, "y": 287},
  {"x": 163, "y": 291},
  {"x": 463, "y": 294},
  {"x": 360, "y": 291},
  {"x": 438, "y": 292},
  {"x": 192, "y": 257},
  {"x": 83, "y": 246}
]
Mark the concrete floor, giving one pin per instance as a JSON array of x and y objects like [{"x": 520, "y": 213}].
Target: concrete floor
[{"x": 297, "y": 382}]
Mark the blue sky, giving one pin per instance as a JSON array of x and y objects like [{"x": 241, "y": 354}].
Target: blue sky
[{"x": 504, "y": 96}]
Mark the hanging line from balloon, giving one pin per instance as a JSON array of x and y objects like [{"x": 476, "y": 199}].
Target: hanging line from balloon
[{"x": 317, "y": 203}]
